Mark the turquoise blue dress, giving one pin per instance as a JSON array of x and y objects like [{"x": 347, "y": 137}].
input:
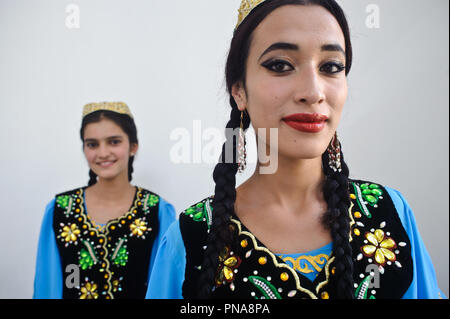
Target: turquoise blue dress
[
  {"x": 48, "y": 283},
  {"x": 168, "y": 274}
]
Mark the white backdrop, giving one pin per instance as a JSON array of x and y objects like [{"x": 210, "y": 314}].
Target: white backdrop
[{"x": 166, "y": 60}]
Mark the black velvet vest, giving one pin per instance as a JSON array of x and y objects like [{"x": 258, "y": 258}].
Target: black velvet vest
[
  {"x": 112, "y": 261},
  {"x": 383, "y": 267}
]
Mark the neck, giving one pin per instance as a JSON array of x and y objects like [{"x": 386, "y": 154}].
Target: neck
[
  {"x": 112, "y": 189},
  {"x": 295, "y": 181}
]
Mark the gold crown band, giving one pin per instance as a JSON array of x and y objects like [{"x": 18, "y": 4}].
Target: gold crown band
[
  {"x": 247, "y": 6},
  {"x": 118, "y": 107}
]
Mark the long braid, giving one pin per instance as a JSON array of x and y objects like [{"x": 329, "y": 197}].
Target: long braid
[
  {"x": 220, "y": 234},
  {"x": 336, "y": 194},
  {"x": 335, "y": 188},
  {"x": 130, "y": 168},
  {"x": 92, "y": 178}
]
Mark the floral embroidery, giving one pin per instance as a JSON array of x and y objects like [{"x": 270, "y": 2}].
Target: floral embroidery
[
  {"x": 116, "y": 284},
  {"x": 122, "y": 256},
  {"x": 371, "y": 193},
  {"x": 380, "y": 247},
  {"x": 227, "y": 265},
  {"x": 138, "y": 228},
  {"x": 376, "y": 245},
  {"x": 89, "y": 291},
  {"x": 197, "y": 212},
  {"x": 85, "y": 259},
  {"x": 69, "y": 233},
  {"x": 87, "y": 256},
  {"x": 152, "y": 200},
  {"x": 63, "y": 201},
  {"x": 366, "y": 194},
  {"x": 102, "y": 254}
]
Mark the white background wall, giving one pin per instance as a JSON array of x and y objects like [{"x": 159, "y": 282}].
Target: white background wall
[{"x": 166, "y": 60}]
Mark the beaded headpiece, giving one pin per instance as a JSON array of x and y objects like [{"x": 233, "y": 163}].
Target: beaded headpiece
[
  {"x": 247, "y": 6},
  {"x": 118, "y": 107}
]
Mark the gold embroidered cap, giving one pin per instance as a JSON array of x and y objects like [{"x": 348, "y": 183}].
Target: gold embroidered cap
[
  {"x": 118, "y": 107},
  {"x": 247, "y": 6}
]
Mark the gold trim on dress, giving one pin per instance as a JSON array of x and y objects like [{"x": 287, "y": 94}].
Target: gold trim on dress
[
  {"x": 313, "y": 261},
  {"x": 283, "y": 265}
]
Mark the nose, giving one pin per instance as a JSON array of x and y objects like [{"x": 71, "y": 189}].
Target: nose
[
  {"x": 309, "y": 88},
  {"x": 103, "y": 151}
]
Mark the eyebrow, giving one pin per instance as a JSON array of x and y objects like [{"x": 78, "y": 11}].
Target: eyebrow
[
  {"x": 108, "y": 138},
  {"x": 294, "y": 47}
]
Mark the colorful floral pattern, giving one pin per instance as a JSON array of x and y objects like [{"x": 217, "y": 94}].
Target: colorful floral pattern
[
  {"x": 102, "y": 253},
  {"x": 70, "y": 233},
  {"x": 227, "y": 265},
  {"x": 371, "y": 193},
  {"x": 380, "y": 247},
  {"x": 138, "y": 227},
  {"x": 152, "y": 200},
  {"x": 200, "y": 212},
  {"x": 89, "y": 291}
]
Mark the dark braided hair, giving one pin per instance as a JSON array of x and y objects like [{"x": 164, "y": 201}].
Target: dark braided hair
[
  {"x": 335, "y": 188},
  {"x": 125, "y": 122}
]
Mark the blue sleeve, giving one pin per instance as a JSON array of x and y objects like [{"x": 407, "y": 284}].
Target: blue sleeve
[
  {"x": 424, "y": 284},
  {"x": 166, "y": 216},
  {"x": 166, "y": 280},
  {"x": 48, "y": 280}
]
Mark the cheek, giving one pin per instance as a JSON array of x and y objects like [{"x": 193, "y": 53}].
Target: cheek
[
  {"x": 90, "y": 155},
  {"x": 266, "y": 98},
  {"x": 122, "y": 152},
  {"x": 337, "y": 96}
]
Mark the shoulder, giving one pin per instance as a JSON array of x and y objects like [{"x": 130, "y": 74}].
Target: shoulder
[
  {"x": 148, "y": 196},
  {"x": 151, "y": 199},
  {"x": 198, "y": 214},
  {"x": 373, "y": 199},
  {"x": 66, "y": 200},
  {"x": 195, "y": 222},
  {"x": 370, "y": 193},
  {"x": 76, "y": 191}
]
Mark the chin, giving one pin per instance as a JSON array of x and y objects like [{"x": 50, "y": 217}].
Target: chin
[
  {"x": 304, "y": 151},
  {"x": 107, "y": 175}
]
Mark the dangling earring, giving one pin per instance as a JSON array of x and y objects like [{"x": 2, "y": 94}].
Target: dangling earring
[
  {"x": 242, "y": 152},
  {"x": 334, "y": 154}
]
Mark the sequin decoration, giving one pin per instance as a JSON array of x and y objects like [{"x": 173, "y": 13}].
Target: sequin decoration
[
  {"x": 201, "y": 212},
  {"x": 265, "y": 287},
  {"x": 227, "y": 264}
]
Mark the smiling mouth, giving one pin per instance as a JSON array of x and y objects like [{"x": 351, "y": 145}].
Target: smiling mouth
[{"x": 105, "y": 163}]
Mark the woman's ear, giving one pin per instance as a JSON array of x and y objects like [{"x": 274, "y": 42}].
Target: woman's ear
[
  {"x": 133, "y": 149},
  {"x": 239, "y": 95}
]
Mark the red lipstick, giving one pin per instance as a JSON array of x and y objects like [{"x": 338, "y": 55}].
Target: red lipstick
[{"x": 308, "y": 123}]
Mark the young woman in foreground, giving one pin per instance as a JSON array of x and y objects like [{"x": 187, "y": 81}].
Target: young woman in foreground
[
  {"x": 307, "y": 230},
  {"x": 100, "y": 241}
]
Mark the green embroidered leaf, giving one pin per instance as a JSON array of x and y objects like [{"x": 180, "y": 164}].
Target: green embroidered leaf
[
  {"x": 361, "y": 291},
  {"x": 152, "y": 200},
  {"x": 265, "y": 287},
  {"x": 121, "y": 257},
  {"x": 85, "y": 261},
  {"x": 371, "y": 193},
  {"x": 63, "y": 201},
  {"x": 199, "y": 212}
]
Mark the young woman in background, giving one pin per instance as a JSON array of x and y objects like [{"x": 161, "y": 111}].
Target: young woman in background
[{"x": 100, "y": 241}]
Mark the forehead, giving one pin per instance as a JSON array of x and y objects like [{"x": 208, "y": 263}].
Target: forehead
[
  {"x": 102, "y": 129},
  {"x": 310, "y": 26}
]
